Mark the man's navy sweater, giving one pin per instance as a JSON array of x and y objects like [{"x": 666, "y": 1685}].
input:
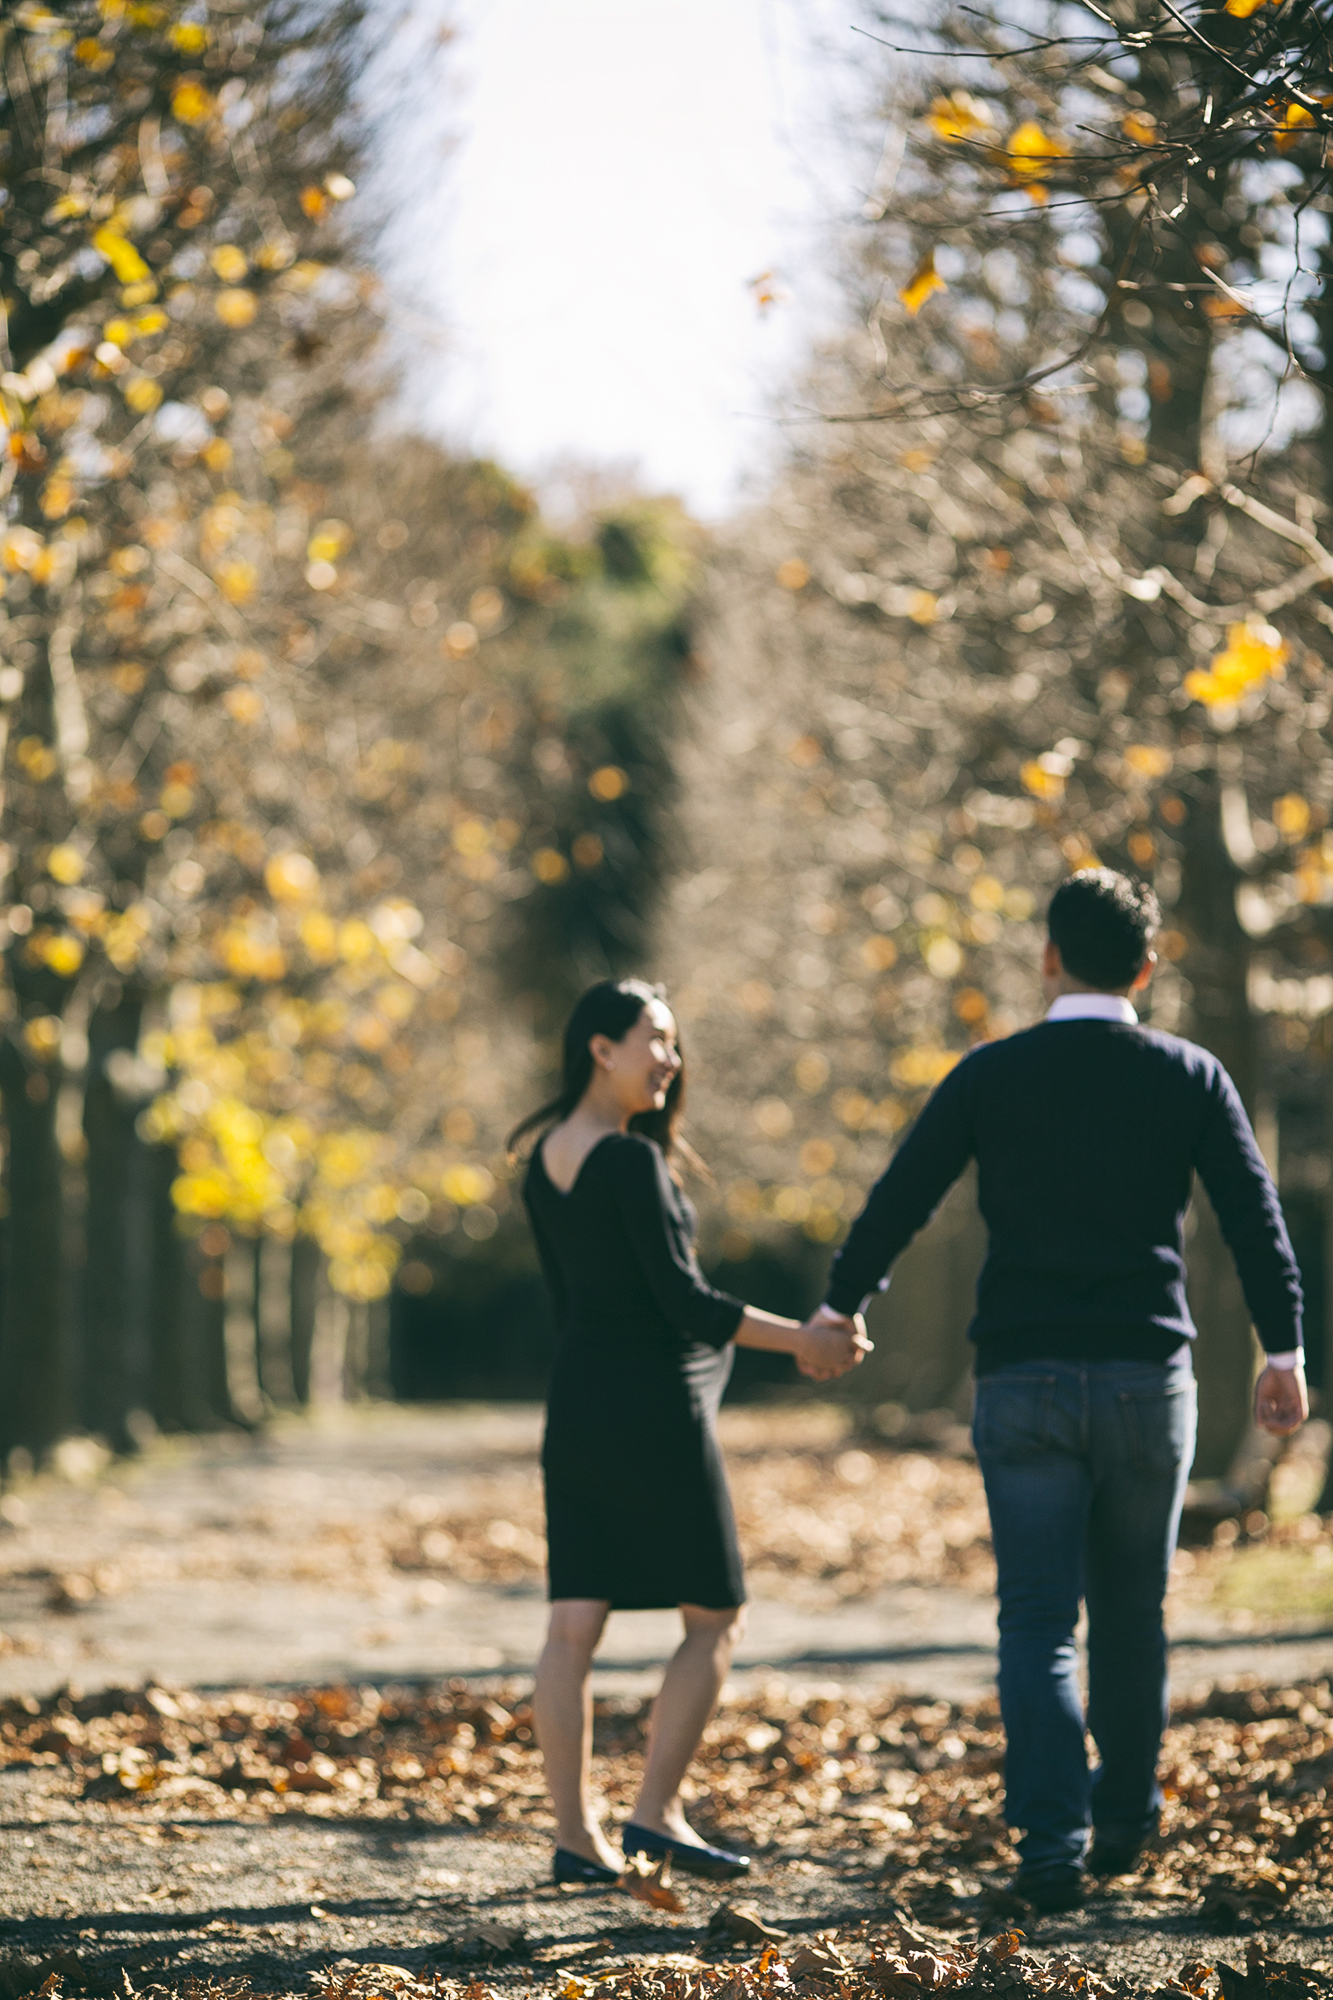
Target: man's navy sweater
[{"x": 1086, "y": 1135}]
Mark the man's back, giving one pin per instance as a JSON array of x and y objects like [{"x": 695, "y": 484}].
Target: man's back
[{"x": 1086, "y": 1134}]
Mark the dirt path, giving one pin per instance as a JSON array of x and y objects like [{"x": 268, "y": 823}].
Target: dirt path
[
  {"x": 392, "y": 1543},
  {"x": 404, "y": 1545}
]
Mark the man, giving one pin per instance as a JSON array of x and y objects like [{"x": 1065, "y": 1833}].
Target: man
[{"x": 1087, "y": 1131}]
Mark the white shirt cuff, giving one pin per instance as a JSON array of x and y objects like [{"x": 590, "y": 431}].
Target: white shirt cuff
[{"x": 1293, "y": 1358}]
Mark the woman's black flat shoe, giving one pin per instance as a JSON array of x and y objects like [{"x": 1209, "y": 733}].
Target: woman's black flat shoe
[
  {"x": 718, "y": 1863},
  {"x": 571, "y": 1867}
]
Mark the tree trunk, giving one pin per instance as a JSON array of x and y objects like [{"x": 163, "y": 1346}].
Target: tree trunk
[
  {"x": 273, "y": 1321},
  {"x": 305, "y": 1272},
  {"x": 32, "y": 1359},
  {"x": 174, "y": 1394},
  {"x": 204, "y": 1303},
  {"x": 116, "y": 1341}
]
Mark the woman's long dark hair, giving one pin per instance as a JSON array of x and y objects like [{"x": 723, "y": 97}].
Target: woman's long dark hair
[{"x": 610, "y": 1008}]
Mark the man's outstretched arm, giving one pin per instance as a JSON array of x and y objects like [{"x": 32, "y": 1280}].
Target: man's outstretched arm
[{"x": 906, "y": 1195}]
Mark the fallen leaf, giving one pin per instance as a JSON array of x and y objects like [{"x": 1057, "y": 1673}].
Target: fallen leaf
[
  {"x": 741, "y": 1923},
  {"x": 648, "y": 1882},
  {"x": 817, "y": 1960}
]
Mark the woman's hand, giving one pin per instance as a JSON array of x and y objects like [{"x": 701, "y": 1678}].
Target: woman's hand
[
  {"x": 828, "y": 1347},
  {"x": 825, "y": 1347}
]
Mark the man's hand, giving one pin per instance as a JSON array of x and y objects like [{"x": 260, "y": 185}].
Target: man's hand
[
  {"x": 1280, "y": 1401},
  {"x": 829, "y": 1347}
]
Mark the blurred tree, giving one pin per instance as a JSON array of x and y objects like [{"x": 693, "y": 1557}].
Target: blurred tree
[
  {"x": 316, "y": 741},
  {"x": 1013, "y": 611}
]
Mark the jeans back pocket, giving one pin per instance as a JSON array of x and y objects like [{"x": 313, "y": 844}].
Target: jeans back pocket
[
  {"x": 1014, "y": 1417},
  {"x": 1159, "y": 1426}
]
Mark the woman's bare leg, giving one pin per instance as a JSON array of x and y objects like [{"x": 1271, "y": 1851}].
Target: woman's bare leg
[
  {"x": 562, "y": 1712},
  {"x": 690, "y": 1688}
]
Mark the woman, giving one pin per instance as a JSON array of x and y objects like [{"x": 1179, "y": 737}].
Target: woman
[{"x": 637, "y": 1510}]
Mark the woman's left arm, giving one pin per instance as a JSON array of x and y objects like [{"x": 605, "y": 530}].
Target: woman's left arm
[
  {"x": 686, "y": 1299},
  {"x": 820, "y": 1350},
  {"x": 643, "y": 1194}
]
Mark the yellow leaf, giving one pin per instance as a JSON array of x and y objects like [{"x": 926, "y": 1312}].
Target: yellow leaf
[
  {"x": 230, "y": 263},
  {"x": 236, "y": 580},
  {"x": 191, "y": 104},
  {"x": 1220, "y": 305},
  {"x": 1043, "y": 784},
  {"x": 235, "y": 308},
  {"x": 58, "y": 496},
  {"x": 1291, "y": 816},
  {"x": 42, "y": 1035},
  {"x": 1030, "y": 154},
  {"x": 20, "y": 548},
  {"x": 608, "y": 783},
  {"x": 1141, "y": 127},
  {"x": 64, "y": 955},
  {"x": 243, "y": 705},
  {"x": 319, "y": 935},
  {"x": 1294, "y": 119},
  {"x": 1254, "y": 653},
  {"x": 1241, "y": 10},
  {"x": 793, "y": 574},
  {"x": 142, "y": 394},
  {"x": 314, "y": 203},
  {"x": 356, "y": 941},
  {"x": 922, "y": 1067},
  {"x": 924, "y": 281},
  {"x": 959, "y": 116},
  {"x": 549, "y": 865},
  {"x": 291, "y": 878},
  {"x": 121, "y": 255},
  {"x": 93, "y": 55},
  {"x": 188, "y": 37},
  {"x": 330, "y": 540},
  {"x": 1148, "y": 760},
  {"x": 64, "y": 864}
]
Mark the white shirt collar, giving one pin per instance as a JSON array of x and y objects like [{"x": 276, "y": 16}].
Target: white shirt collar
[{"x": 1093, "y": 1007}]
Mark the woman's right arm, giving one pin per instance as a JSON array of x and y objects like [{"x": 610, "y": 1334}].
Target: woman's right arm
[{"x": 821, "y": 1351}]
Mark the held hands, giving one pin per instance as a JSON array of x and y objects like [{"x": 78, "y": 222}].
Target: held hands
[
  {"x": 828, "y": 1347},
  {"x": 1280, "y": 1402}
]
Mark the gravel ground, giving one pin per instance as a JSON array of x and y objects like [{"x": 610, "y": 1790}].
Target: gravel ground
[
  {"x": 282, "y": 1561},
  {"x": 387, "y": 1542},
  {"x": 276, "y": 1902}
]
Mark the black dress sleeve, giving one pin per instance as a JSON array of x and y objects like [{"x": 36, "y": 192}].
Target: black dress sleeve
[
  {"x": 555, "y": 1283},
  {"x": 644, "y": 1196}
]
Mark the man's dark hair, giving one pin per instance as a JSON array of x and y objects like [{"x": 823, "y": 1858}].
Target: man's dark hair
[{"x": 1102, "y": 924}]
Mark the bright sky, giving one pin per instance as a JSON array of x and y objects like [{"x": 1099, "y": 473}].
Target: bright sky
[{"x": 621, "y": 171}]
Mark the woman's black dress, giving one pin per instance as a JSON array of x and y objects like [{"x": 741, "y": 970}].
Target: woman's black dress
[{"x": 637, "y": 1508}]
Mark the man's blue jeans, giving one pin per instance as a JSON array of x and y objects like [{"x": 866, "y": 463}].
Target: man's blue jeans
[{"x": 1085, "y": 1467}]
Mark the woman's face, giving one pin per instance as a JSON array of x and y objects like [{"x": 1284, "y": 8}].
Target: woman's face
[{"x": 644, "y": 1065}]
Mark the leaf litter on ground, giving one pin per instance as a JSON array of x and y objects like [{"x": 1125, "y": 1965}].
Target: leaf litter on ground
[{"x": 906, "y": 1792}]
